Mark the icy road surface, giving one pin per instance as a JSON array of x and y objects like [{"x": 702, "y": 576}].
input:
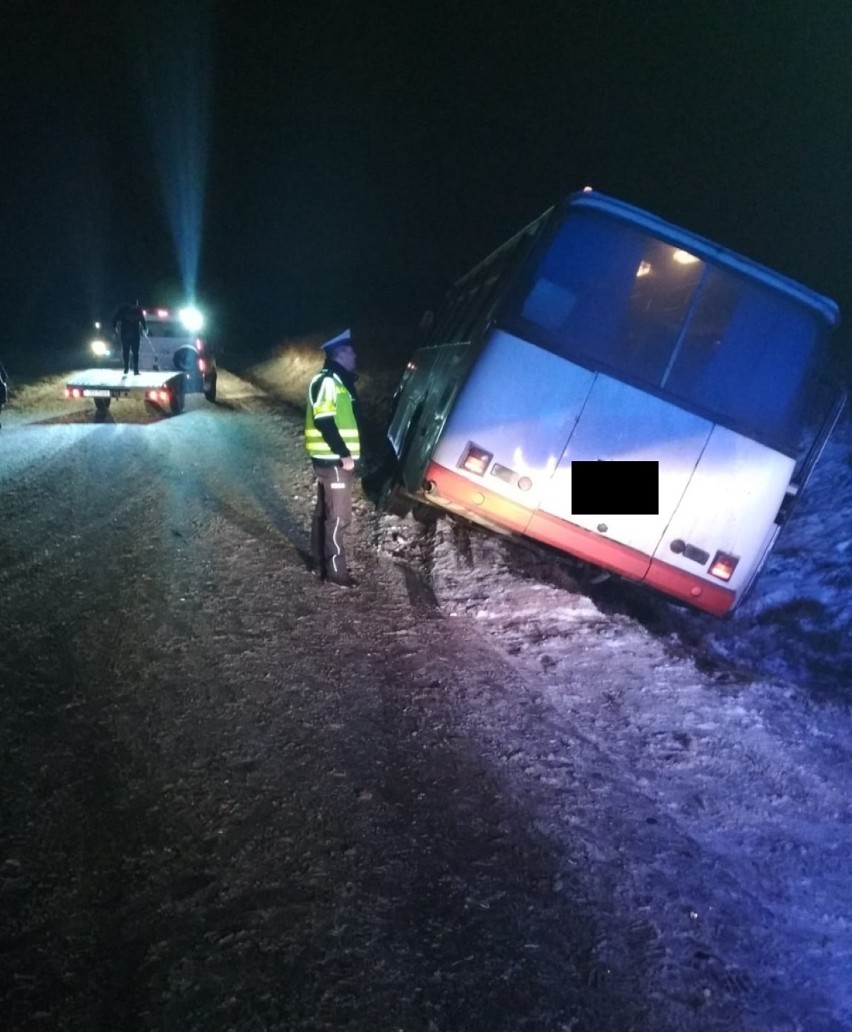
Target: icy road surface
[{"x": 471, "y": 796}]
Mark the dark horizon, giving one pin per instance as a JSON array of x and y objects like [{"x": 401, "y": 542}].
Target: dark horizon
[{"x": 352, "y": 165}]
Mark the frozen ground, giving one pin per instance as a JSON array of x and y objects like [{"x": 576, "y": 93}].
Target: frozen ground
[
  {"x": 482, "y": 793},
  {"x": 737, "y": 731}
]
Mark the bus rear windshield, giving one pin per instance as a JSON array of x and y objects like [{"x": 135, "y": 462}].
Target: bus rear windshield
[{"x": 614, "y": 298}]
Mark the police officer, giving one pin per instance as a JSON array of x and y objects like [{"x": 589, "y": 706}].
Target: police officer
[
  {"x": 333, "y": 441},
  {"x": 129, "y": 323}
]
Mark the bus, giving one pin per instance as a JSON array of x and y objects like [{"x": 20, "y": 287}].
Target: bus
[{"x": 622, "y": 390}]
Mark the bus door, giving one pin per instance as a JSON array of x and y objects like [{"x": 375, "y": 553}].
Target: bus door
[
  {"x": 620, "y": 423},
  {"x": 430, "y": 384}
]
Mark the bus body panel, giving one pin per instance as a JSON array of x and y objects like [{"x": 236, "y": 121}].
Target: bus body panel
[
  {"x": 508, "y": 405},
  {"x": 447, "y": 490},
  {"x": 622, "y": 423},
  {"x": 730, "y": 505}
]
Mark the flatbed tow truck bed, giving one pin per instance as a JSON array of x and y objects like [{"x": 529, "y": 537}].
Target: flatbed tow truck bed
[{"x": 102, "y": 385}]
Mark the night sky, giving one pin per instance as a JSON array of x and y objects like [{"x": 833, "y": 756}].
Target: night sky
[{"x": 327, "y": 162}]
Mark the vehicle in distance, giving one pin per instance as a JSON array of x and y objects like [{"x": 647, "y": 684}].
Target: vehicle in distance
[
  {"x": 174, "y": 343},
  {"x": 164, "y": 390},
  {"x": 174, "y": 360}
]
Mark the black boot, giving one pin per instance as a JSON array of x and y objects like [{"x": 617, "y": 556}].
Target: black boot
[{"x": 342, "y": 580}]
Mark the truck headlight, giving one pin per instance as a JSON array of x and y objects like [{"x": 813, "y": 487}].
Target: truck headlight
[
  {"x": 192, "y": 319},
  {"x": 100, "y": 348}
]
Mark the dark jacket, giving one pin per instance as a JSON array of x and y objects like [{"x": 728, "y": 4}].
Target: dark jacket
[{"x": 129, "y": 321}]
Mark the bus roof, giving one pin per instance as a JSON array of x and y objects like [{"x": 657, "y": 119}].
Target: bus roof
[{"x": 706, "y": 249}]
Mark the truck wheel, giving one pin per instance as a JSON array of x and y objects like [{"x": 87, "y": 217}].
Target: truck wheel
[
  {"x": 102, "y": 404},
  {"x": 210, "y": 390},
  {"x": 186, "y": 360},
  {"x": 177, "y": 397}
]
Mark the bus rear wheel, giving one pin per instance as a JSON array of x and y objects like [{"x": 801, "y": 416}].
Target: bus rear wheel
[{"x": 393, "y": 501}]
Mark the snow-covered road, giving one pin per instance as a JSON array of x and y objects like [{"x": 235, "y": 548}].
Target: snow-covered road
[{"x": 480, "y": 793}]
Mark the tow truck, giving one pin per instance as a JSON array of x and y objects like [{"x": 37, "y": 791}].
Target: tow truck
[
  {"x": 173, "y": 361},
  {"x": 102, "y": 385}
]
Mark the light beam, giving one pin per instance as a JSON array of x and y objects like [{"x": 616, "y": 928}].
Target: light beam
[{"x": 172, "y": 47}]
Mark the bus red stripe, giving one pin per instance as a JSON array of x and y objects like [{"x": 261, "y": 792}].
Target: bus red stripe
[
  {"x": 568, "y": 537},
  {"x": 450, "y": 485}
]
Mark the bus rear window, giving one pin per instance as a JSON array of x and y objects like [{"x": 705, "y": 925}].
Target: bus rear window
[
  {"x": 746, "y": 355},
  {"x": 612, "y": 295},
  {"x": 614, "y": 298}
]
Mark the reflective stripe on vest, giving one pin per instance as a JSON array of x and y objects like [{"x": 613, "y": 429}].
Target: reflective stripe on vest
[{"x": 333, "y": 401}]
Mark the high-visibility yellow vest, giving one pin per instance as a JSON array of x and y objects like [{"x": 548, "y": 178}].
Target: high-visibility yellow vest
[{"x": 332, "y": 400}]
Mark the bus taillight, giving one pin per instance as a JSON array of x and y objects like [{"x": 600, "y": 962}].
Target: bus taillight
[
  {"x": 723, "y": 566},
  {"x": 476, "y": 459}
]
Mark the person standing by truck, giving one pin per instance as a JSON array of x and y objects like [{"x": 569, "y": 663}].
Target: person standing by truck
[
  {"x": 129, "y": 323},
  {"x": 333, "y": 441}
]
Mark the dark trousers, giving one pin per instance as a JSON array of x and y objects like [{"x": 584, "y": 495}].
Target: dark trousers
[
  {"x": 332, "y": 516},
  {"x": 128, "y": 347}
]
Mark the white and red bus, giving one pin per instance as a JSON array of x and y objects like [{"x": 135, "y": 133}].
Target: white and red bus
[{"x": 625, "y": 391}]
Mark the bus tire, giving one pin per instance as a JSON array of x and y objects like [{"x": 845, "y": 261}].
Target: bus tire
[
  {"x": 210, "y": 389},
  {"x": 395, "y": 502},
  {"x": 177, "y": 398}
]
